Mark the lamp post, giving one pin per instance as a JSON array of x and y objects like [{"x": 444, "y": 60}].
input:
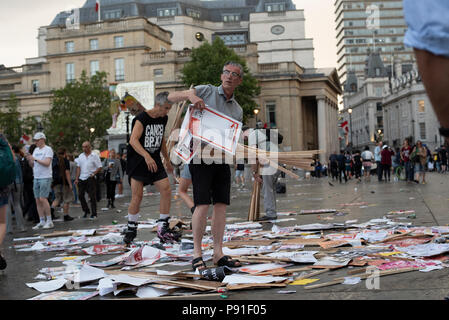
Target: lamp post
[
  {"x": 350, "y": 125},
  {"x": 256, "y": 111},
  {"x": 39, "y": 126},
  {"x": 92, "y": 130},
  {"x": 379, "y": 135}
]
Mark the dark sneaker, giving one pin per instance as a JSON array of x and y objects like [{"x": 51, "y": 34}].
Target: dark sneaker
[
  {"x": 2, "y": 262},
  {"x": 85, "y": 216},
  {"x": 93, "y": 217},
  {"x": 68, "y": 218},
  {"x": 130, "y": 232},
  {"x": 167, "y": 235}
]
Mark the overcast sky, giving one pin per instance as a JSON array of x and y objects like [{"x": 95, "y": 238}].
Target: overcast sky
[{"x": 20, "y": 20}]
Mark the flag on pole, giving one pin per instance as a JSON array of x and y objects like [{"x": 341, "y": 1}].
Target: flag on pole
[
  {"x": 344, "y": 126},
  {"x": 24, "y": 139},
  {"x": 97, "y": 9}
]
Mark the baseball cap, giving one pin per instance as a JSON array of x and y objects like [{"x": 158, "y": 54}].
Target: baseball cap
[
  {"x": 39, "y": 135},
  {"x": 385, "y": 146}
]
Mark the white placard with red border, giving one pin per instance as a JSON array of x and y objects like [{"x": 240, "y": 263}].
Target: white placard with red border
[
  {"x": 215, "y": 128},
  {"x": 211, "y": 126}
]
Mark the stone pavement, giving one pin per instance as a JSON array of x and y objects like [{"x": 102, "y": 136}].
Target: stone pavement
[{"x": 430, "y": 202}]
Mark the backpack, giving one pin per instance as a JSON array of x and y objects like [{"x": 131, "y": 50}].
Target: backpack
[
  {"x": 281, "y": 187},
  {"x": 57, "y": 179},
  {"x": 7, "y": 165}
]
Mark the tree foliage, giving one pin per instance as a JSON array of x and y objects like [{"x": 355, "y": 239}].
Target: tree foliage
[
  {"x": 79, "y": 106},
  {"x": 11, "y": 123},
  {"x": 206, "y": 66}
]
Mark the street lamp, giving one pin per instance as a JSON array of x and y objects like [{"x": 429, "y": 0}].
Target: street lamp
[
  {"x": 92, "y": 130},
  {"x": 379, "y": 133},
  {"x": 350, "y": 124},
  {"x": 256, "y": 111},
  {"x": 39, "y": 126}
]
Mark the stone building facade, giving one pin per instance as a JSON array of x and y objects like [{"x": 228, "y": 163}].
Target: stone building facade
[{"x": 151, "y": 40}]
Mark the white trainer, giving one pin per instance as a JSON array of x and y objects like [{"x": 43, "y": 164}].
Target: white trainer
[
  {"x": 48, "y": 225},
  {"x": 40, "y": 225}
]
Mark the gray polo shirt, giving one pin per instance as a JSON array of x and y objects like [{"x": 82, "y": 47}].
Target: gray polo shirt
[{"x": 215, "y": 98}]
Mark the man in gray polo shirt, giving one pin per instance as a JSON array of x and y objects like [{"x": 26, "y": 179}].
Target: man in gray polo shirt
[{"x": 212, "y": 182}]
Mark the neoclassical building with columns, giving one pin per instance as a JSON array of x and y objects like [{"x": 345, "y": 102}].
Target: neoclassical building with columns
[{"x": 151, "y": 40}]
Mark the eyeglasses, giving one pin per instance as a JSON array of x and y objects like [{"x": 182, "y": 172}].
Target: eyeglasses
[{"x": 234, "y": 74}]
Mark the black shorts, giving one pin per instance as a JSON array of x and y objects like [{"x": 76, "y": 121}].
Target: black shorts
[
  {"x": 141, "y": 173},
  {"x": 211, "y": 183}
]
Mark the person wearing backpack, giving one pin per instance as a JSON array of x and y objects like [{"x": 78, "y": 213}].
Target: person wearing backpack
[
  {"x": 62, "y": 184},
  {"x": 7, "y": 176},
  {"x": 40, "y": 161}
]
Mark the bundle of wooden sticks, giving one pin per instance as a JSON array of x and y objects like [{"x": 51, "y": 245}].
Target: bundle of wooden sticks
[{"x": 277, "y": 160}]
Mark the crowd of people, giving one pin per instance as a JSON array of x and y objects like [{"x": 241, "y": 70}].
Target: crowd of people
[
  {"x": 46, "y": 180},
  {"x": 409, "y": 163}
]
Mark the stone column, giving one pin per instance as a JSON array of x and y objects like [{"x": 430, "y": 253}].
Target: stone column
[{"x": 322, "y": 127}]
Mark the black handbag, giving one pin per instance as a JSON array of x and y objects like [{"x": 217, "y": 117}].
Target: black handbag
[{"x": 281, "y": 187}]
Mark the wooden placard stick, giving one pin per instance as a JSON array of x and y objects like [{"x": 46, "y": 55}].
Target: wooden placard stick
[
  {"x": 190, "y": 296},
  {"x": 177, "y": 123},
  {"x": 312, "y": 274},
  {"x": 364, "y": 276},
  {"x": 385, "y": 273}
]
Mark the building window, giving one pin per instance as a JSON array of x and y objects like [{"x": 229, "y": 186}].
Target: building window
[
  {"x": 193, "y": 13},
  {"x": 378, "y": 90},
  {"x": 69, "y": 46},
  {"x": 169, "y": 12},
  {"x": 422, "y": 130},
  {"x": 274, "y": 7},
  {"x": 379, "y": 106},
  {"x": 233, "y": 39},
  {"x": 93, "y": 43},
  {"x": 158, "y": 72},
  {"x": 94, "y": 67},
  {"x": 35, "y": 86},
  {"x": 231, "y": 18},
  {"x": 119, "y": 42},
  {"x": 271, "y": 113},
  {"x": 119, "y": 69},
  {"x": 69, "y": 72},
  {"x": 113, "y": 14},
  {"x": 421, "y": 106},
  {"x": 380, "y": 122}
]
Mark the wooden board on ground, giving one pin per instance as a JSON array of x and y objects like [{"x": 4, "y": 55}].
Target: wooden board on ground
[
  {"x": 305, "y": 242},
  {"x": 58, "y": 234},
  {"x": 254, "y": 286},
  {"x": 201, "y": 285},
  {"x": 241, "y": 243},
  {"x": 190, "y": 296}
]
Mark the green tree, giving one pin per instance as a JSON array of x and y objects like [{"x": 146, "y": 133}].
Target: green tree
[
  {"x": 206, "y": 66},
  {"x": 79, "y": 106},
  {"x": 10, "y": 123}
]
